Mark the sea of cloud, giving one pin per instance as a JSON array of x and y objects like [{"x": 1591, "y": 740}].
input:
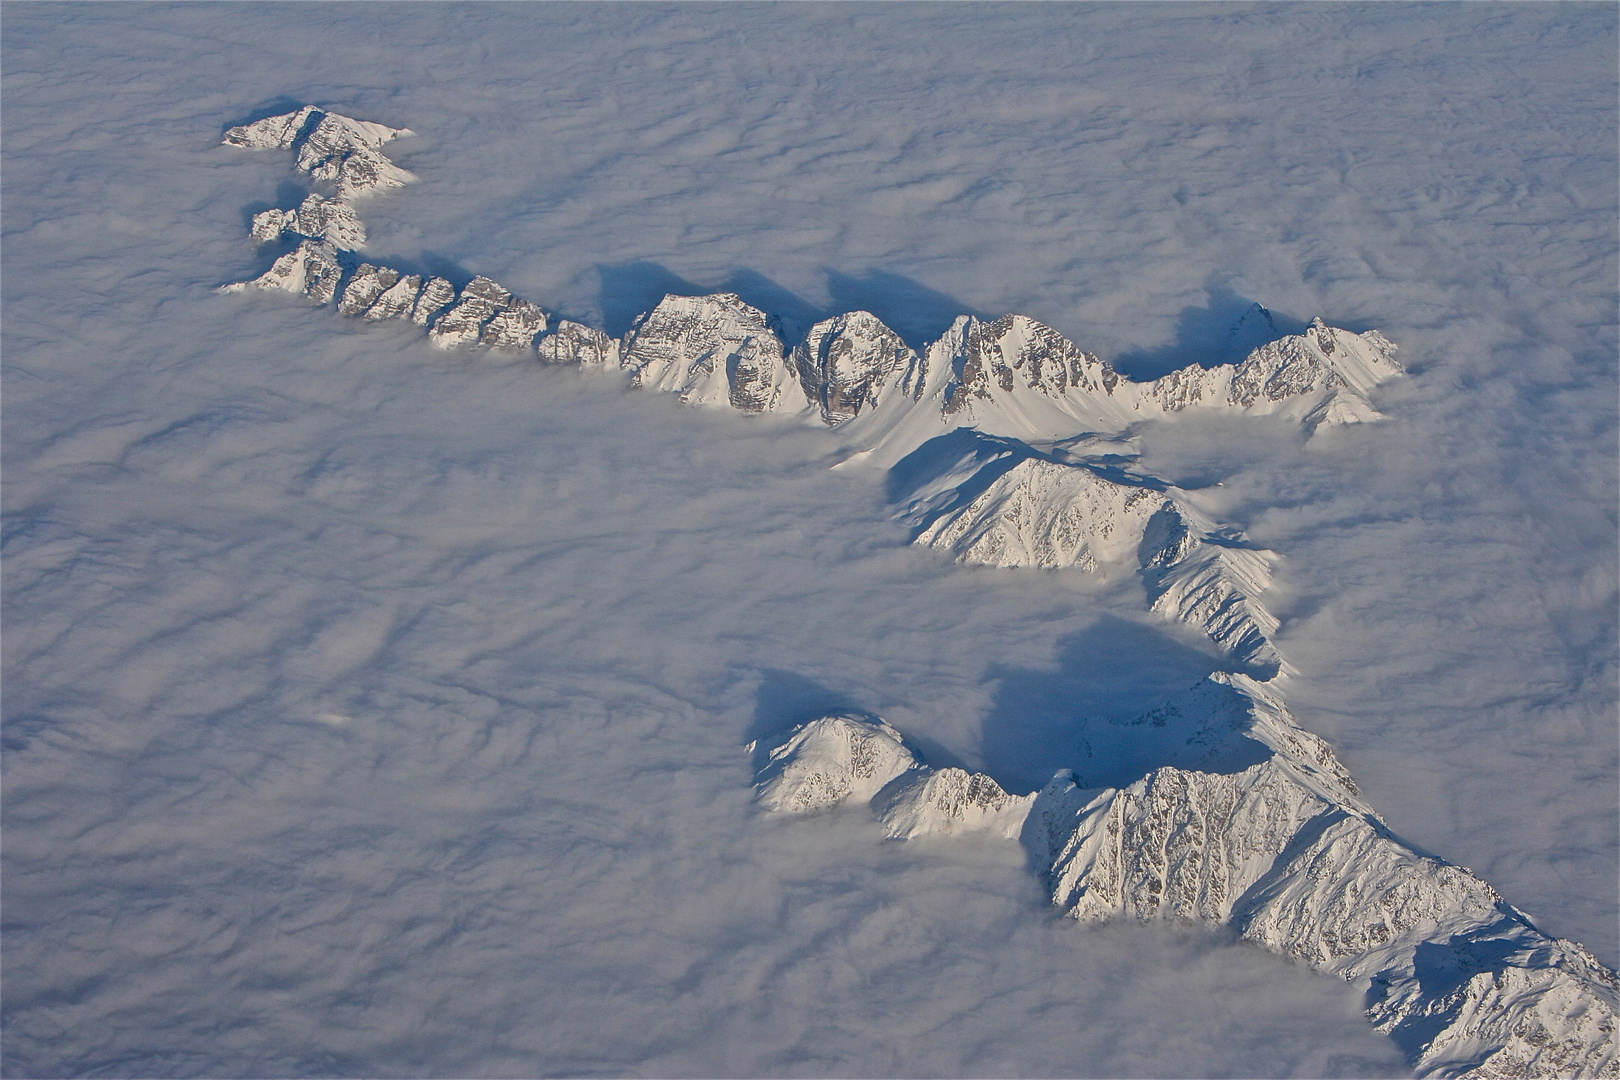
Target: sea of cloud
[{"x": 376, "y": 711}]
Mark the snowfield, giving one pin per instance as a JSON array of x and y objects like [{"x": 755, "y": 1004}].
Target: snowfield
[{"x": 374, "y": 707}]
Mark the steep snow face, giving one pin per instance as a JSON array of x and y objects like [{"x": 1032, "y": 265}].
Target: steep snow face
[
  {"x": 1273, "y": 841},
  {"x": 1000, "y": 502},
  {"x": 712, "y": 350},
  {"x": 845, "y": 362},
  {"x": 830, "y": 760}
]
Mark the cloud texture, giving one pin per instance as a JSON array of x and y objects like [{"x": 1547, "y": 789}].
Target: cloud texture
[{"x": 373, "y": 711}]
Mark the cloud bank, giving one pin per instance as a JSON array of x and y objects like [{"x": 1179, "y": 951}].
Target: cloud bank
[{"x": 373, "y": 712}]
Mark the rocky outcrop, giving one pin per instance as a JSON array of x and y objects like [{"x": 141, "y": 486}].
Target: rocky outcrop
[
  {"x": 365, "y": 286},
  {"x": 398, "y": 300},
  {"x": 576, "y": 343},
  {"x": 712, "y": 350},
  {"x": 946, "y": 801},
  {"x": 436, "y": 295},
  {"x": 317, "y": 218},
  {"x": 487, "y": 314},
  {"x": 311, "y": 270},
  {"x": 845, "y": 362},
  {"x": 342, "y": 151}
]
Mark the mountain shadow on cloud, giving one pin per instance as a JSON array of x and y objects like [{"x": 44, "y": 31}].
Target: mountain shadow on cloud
[
  {"x": 791, "y": 315},
  {"x": 634, "y": 288},
  {"x": 920, "y": 315},
  {"x": 1223, "y": 331},
  {"x": 1095, "y": 712}
]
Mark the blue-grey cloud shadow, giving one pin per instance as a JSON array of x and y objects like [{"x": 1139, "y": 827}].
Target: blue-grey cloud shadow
[
  {"x": 634, "y": 288},
  {"x": 1223, "y": 331},
  {"x": 920, "y": 315},
  {"x": 914, "y": 311},
  {"x": 1088, "y": 713}
]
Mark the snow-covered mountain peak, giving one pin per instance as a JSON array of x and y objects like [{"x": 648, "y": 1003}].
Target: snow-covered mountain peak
[
  {"x": 933, "y": 801},
  {"x": 340, "y": 150},
  {"x": 845, "y": 363},
  {"x": 317, "y": 218},
  {"x": 712, "y": 350},
  {"x": 996, "y": 501},
  {"x": 831, "y": 759}
]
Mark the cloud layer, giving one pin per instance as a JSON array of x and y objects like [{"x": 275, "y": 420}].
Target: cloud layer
[{"x": 370, "y": 711}]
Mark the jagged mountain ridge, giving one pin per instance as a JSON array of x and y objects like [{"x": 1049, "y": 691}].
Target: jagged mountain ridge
[
  {"x": 1267, "y": 834},
  {"x": 1012, "y": 376}
]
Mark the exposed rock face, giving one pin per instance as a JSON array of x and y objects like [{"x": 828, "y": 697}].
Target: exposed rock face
[
  {"x": 348, "y": 154},
  {"x": 1020, "y": 378},
  {"x": 1324, "y": 375},
  {"x": 515, "y": 328},
  {"x": 845, "y": 361},
  {"x": 318, "y": 218},
  {"x": 487, "y": 314},
  {"x": 1014, "y": 356},
  {"x": 712, "y": 350},
  {"x": 1000, "y": 502},
  {"x": 273, "y": 132},
  {"x": 435, "y": 296},
  {"x": 337, "y": 149},
  {"x": 1268, "y": 836},
  {"x": 576, "y": 343},
  {"x": 828, "y": 761},
  {"x": 365, "y": 286},
  {"x": 398, "y": 300}
]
